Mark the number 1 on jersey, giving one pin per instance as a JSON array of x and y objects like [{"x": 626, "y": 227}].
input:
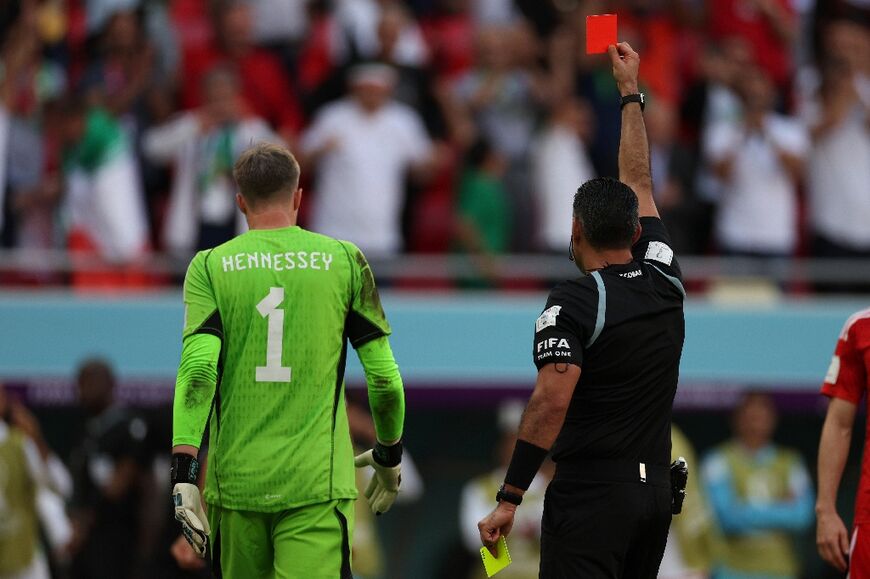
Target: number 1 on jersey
[{"x": 273, "y": 371}]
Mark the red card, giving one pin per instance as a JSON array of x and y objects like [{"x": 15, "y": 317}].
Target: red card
[{"x": 600, "y": 33}]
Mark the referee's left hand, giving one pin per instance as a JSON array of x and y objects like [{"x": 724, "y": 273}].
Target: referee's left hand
[{"x": 496, "y": 524}]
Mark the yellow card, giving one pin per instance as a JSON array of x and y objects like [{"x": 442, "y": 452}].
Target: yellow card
[{"x": 495, "y": 564}]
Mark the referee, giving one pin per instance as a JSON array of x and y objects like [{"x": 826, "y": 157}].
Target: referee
[{"x": 607, "y": 348}]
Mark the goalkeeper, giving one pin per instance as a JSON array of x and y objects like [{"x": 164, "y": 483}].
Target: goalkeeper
[{"x": 268, "y": 316}]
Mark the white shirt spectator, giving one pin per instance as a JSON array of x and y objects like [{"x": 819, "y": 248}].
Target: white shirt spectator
[
  {"x": 838, "y": 177},
  {"x": 758, "y": 209},
  {"x": 360, "y": 179},
  {"x": 182, "y": 143},
  {"x": 561, "y": 165}
]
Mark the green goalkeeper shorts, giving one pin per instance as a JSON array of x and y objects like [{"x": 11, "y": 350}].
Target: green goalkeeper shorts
[{"x": 311, "y": 542}]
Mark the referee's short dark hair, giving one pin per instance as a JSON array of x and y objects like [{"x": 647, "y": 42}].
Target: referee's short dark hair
[
  {"x": 607, "y": 210},
  {"x": 266, "y": 171}
]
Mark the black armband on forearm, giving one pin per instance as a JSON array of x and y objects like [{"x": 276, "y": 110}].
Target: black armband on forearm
[
  {"x": 526, "y": 461},
  {"x": 388, "y": 456},
  {"x": 183, "y": 469}
]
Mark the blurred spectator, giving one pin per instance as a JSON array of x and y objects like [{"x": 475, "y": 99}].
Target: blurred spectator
[
  {"x": 838, "y": 176},
  {"x": 331, "y": 53},
  {"x": 712, "y": 100},
  {"x": 760, "y": 161},
  {"x": 494, "y": 12},
  {"x": 4, "y": 151},
  {"x": 661, "y": 30},
  {"x": 28, "y": 468},
  {"x": 692, "y": 542},
  {"x": 264, "y": 82},
  {"x": 413, "y": 85},
  {"x": 367, "y": 548},
  {"x": 450, "y": 36},
  {"x": 125, "y": 68},
  {"x": 502, "y": 99},
  {"x": 281, "y": 24},
  {"x": 323, "y": 73},
  {"x": 55, "y": 524},
  {"x": 561, "y": 163},
  {"x": 761, "y": 495},
  {"x": 320, "y": 76},
  {"x": 847, "y": 41},
  {"x": 203, "y": 145},
  {"x": 355, "y": 36},
  {"x": 477, "y": 499},
  {"x": 769, "y": 26},
  {"x": 107, "y": 466},
  {"x": 98, "y": 12},
  {"x": 363, "y": 146},
  {"x": 29, "y": 193},
  {"x": 714, "y": 97},
  {"x": 842, "y": 42},
  {"x": 673, "y": 174},
  {"x": 483, "y": 222},
  {"x": 104, "y": 198}
]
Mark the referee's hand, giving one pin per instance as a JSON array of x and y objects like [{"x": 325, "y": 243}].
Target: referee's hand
[
  {"x": 832, "y": 540},
  {"x": 496, "y": 524},
  {"x": 626, "y": 63}
]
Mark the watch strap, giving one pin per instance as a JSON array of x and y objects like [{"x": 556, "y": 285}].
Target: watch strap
[
  {"x": 508, "y": 497},
  {"x": 633, "y": 98}
]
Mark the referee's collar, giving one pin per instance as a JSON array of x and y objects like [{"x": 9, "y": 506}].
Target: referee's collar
[{"x": 618, "y": 268}]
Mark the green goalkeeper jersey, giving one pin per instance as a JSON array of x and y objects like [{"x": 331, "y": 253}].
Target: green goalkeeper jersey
[{"x": 284, "y": 303}]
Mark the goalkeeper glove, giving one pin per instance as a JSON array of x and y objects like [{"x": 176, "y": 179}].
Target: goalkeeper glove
[
  {"x": 188, "y": 505},
  {"x": 384, "y": 486}
]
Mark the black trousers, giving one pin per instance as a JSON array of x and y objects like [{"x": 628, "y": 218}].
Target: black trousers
[{"x": 605, "y": 529}]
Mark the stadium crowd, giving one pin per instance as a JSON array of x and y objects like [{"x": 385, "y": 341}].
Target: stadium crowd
[{"x": 427, "y": 125}]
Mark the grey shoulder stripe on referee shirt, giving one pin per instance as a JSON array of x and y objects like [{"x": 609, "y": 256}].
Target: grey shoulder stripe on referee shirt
[
  {"x": 671, "y": 279},
  {"x": 602, "y": 308}
]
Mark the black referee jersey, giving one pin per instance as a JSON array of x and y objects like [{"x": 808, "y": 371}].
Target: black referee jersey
[
  {"x": 608, "y": 510},
  {"x": 623, "y": 325}
]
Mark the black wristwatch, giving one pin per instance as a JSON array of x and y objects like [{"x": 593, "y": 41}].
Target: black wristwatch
[
  {"x": 633, "y": 98},
  {"x": 508, "y": 497}
]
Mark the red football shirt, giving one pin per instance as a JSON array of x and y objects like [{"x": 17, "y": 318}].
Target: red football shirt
[{"x": 847, "y": 379}]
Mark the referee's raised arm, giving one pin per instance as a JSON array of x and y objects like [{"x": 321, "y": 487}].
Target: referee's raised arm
[
  {"x": 610, "y": 502},
  {"x": 634, "y": 163}
]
